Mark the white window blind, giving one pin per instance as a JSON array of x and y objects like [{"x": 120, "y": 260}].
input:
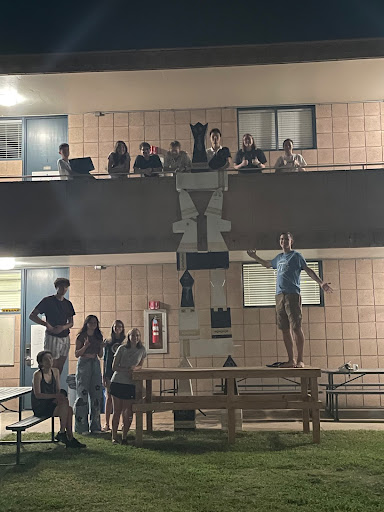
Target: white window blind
[
  {"x": 259, "y": 285},
  {"x": 10, "y": 139},
  {"x": 261, "y": 124},
  {"x": 271, "y": 126},
  {"x": 295, "y": 124},
  {"x": 10, "y": 290}
]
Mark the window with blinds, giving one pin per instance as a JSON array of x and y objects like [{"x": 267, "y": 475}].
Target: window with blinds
[
  {"x": 259, "y": 285},
  {"x": 10, "y": 291},
  {"x": 271, "y": 126},
  {"x": 11, "y": 138}
]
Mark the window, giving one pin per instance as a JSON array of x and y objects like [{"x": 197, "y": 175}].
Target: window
[
  {"x": 10, "y": 291},
  {"x": 272, "y": 125},
  {"x": 259, "y": 285},
  {"x": 10, "y": 139}
]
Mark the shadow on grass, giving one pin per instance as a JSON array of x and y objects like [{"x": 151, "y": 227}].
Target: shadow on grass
[
  {"x": 204, "y": 441},
  {"x": 185, "y": 443}
]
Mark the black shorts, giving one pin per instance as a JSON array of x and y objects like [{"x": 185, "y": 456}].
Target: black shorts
[
  {"x": 123, "y": 391},
  {"x": 44, "y": 408}
]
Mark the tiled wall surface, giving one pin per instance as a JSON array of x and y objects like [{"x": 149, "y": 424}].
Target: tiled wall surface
[
  {"x": 11, "y": 168},
  {"x": 95, "y": 136},
  {"x": 346, "y": 133},
  {"x": 10, "y": 375},
  {"x": 350, "y": 326}
]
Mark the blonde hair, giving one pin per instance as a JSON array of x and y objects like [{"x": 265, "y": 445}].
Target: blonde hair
[{"x": 127, "y": 342}]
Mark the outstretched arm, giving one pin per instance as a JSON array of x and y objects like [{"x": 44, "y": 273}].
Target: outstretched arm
[
  {"x": 325, "y": 286},
  {"x": 265, "y": 263}
]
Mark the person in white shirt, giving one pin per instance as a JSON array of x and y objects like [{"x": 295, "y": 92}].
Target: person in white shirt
[
  {"x": 177, "y": 160},
  {"x": 63, "y": 164},
  {"x": 289, "y": 162},
  {"x": 218, "y": 157}
]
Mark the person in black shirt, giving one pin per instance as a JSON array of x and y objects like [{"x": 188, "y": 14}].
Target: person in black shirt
[
  {"x": 110, "y": 346},
  {"x": 59, "y": 315},
  {"x": 249, "y": 157},
  {"x": 147, "y": 162}
]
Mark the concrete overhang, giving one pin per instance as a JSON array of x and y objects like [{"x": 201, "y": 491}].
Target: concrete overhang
[{"x": 198, "y": 57}]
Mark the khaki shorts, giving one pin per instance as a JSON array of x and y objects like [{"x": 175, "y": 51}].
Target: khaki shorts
[{"x": 288, "y": 311}]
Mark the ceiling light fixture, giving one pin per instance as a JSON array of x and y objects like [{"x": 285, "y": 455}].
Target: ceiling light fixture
[
  {"x": 10, "y": 97},
  {"x": 7, "y": 263}
]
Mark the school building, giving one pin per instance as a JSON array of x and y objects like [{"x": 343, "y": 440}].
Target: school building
[{"x": 114, "y": 239}]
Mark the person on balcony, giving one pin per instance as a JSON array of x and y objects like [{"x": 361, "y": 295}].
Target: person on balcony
[
  {"x": 119, "y": 161},
  {"x": 218, "y": 157},
  {"x": 147, "y": 164},
  {"x": 177, "y": 160},
  {"x": 63, "y": 163},
  {"x": 289, "y": 162},
  {"x": 289, "y": 265},
  {"x": 249, "y": 157}
]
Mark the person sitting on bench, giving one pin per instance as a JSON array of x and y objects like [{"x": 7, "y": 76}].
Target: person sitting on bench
[{"x": 49, "y": 400}]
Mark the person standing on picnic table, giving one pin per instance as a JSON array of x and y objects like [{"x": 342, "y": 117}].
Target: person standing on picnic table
[
  {"x": 59, "y": 315},
  {"x": 289, "y": 265}
]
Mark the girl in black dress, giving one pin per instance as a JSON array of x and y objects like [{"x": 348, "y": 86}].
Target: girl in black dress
[{"x": 48, "y": 400}]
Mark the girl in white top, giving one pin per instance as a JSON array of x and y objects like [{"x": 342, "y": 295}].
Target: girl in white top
[
  {"x": 128, "y": 358},
  {"x": 289, "y": 162}
]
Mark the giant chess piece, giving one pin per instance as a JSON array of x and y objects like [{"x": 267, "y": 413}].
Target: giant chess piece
[
  {"x": 186, "y": 282},
  {"x": 199, "y": 154}
]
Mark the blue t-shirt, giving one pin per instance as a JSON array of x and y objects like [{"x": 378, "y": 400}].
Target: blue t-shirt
[{"x": 288, "y": 268}]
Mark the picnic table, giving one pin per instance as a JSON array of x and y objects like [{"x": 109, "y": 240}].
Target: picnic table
[
  {"x": 306, "y": 399},
  {"x": 7, "y": 394},
  {"x": 351, "y": 385}
]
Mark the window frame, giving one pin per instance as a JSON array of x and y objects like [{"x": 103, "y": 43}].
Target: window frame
[
  {"x": 21, "y": 293},
  {"x": 321, "y": 303},
  {"x": 22, "y": 119},
  {"x": 276, "y": 108}
]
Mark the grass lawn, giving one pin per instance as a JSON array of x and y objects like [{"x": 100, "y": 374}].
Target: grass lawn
[{"x": 199, "y": 472}]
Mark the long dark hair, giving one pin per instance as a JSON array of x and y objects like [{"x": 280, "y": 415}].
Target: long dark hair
[
  {"x": 97, "y": 332},
  {"x": 114, "y": 338},
  {"x": 117, "y": 158},
  {"x": 40, "y": 357},
  {"x": 127, "y": 343},
  {"x": 253, "y": 147}
]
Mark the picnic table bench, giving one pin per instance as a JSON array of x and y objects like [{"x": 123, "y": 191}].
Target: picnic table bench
[
  {"x": 22, "y": 425},
  {"x": 351, "y": 385}
]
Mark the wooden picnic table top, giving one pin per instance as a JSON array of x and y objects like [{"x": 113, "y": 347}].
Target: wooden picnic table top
[
  {"x": 224, "y": 373},
  {"x": 9, "y": 393}
]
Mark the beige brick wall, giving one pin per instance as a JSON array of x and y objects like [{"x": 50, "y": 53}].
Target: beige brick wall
[
  {"x": 10, "y": 375},
  {"x": 350, "y": 326},
  {"x": 95, "y": 136},
  {"x": 347, "y": 133}
]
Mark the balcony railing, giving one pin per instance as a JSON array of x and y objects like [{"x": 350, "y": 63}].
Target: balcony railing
[{"x": 42, "y": 176}]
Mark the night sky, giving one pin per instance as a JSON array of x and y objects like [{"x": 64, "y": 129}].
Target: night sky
[{"x": 68, "y": 25}]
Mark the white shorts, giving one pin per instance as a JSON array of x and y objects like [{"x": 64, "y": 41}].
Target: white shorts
[{"x": 58, "y": 346}]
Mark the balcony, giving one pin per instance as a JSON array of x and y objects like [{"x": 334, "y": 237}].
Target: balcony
[{"x": 330, "y": 209}]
